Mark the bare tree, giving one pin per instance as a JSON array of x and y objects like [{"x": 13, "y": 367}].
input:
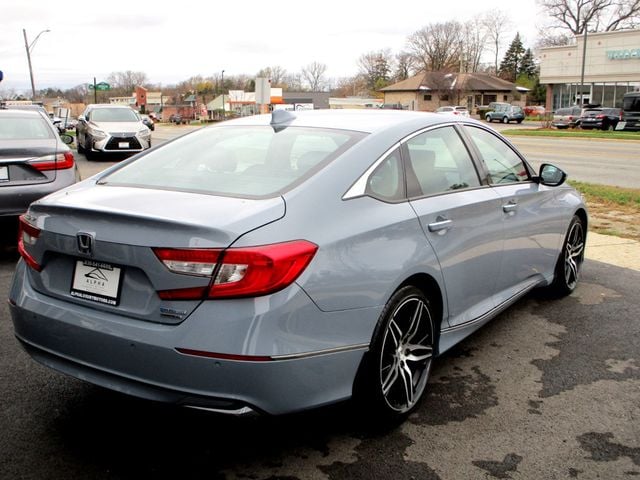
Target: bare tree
[
  {"x": 276, "y": 74},
  {"x": 77, "y": 94},
  {"x": 313, "y": 75},
  {"x": 436, "y": 47},
  {"x": 127, "y": 81},
  {"x": 553, "y": 38},
  {"x": 594, "y": 15},
  {"x": 350, "y": 86},
  {"x": 473, "y": 38},
  {"x": 376, "y": 67},
  {"x": 405, "y": 66},
  {"x": 293, "y": 82},
  {"x": 496, "y": 24}
]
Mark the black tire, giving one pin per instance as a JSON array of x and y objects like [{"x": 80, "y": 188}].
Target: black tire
[
  {"x": 569, "y": 265},
  {"x": 78, "y": 144},
  {"x": 488, "y": 118},
  {"x": 505, "y": 119},
  {"x": 88, "y": 153},
  {"x": 519, "y": 121},
  {"x": 395, "y": 371}
]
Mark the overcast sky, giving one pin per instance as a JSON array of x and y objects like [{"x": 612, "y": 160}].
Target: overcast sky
[{"x": 172, "y": 41}]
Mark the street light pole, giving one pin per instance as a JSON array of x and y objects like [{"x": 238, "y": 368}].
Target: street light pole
[
  {"x": 28, "y": 48},
  {"x": 223, "y": 113}
]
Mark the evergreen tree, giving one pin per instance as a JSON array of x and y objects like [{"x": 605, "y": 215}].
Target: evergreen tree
[
  {"x": 512, "y": 61},
  {"x": 527, "y": 65}
]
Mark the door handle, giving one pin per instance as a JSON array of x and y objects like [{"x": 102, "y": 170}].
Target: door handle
[
  {"x": 440, "y": 224},
  {"x": 510, "y": 207}
]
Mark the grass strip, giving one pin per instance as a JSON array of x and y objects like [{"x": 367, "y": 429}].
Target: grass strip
[
  {"x": 530, "y": 132},
  {"x": 608, "y": 194}
]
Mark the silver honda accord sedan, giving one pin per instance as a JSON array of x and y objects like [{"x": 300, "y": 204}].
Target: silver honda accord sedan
[{"x": 281, "y": 262}]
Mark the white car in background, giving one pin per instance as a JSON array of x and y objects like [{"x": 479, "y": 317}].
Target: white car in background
[
  {"x": 111, "y": 129},
  {"x": 455, "y": 110}
]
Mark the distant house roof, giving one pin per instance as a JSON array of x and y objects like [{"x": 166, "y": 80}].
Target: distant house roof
[
  {"x": 477, "y": 82},
  {"x": 190, "y": 98}
]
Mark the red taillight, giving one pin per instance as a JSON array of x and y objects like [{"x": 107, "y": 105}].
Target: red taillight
[
  {"x": 28, "y": 236},
  {"x": 240, "y": 272},
  {"x": 60, "y": 161},
  {"x": 600, "y": 116}
]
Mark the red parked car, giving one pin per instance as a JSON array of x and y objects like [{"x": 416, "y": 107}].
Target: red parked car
[{"x": 534, "y": 111}]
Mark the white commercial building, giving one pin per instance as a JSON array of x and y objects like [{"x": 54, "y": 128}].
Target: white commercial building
[{"x": 611, "y": 68}]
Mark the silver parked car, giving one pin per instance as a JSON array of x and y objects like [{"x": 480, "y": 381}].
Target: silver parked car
[
  {"x": 279, "y": 263},
  {"x": 111, "y": 129},
  {"x": 34, "y": 160}
]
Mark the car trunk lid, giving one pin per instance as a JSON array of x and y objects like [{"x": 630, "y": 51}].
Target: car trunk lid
[
  {"x": 19, "y": 163},
  {"x": 95, "y": 245}
]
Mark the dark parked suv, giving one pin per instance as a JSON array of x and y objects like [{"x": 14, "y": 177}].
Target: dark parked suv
[
  {"x": 601, "y": 118},
  {"x": 631, "y": 111}
]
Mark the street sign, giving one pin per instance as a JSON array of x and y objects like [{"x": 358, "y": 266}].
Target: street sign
[{"x": 102, "y": 86}]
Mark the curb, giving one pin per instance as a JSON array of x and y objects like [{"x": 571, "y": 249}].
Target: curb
[{"x": 621, "y": 252}]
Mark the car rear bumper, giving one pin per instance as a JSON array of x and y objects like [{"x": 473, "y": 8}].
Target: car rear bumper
[{"x": 141, "y": 358}]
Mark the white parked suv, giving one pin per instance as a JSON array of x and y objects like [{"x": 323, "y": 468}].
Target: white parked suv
[{"x": 111, "y": 129}]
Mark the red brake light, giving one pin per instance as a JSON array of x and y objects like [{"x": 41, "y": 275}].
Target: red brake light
[
  {"x": 27, "y": 235},
  {"x": 242, "y": 272},
  {"x": 61, "y": 161},
  {"x": 599, "y": 116}
]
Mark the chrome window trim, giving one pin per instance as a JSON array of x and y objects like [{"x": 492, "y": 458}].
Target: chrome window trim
[{"x": 359, "y": 187}]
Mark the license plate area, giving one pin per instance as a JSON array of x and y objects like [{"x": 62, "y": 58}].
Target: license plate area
[
  {"x": 123, "y": 144},
  {"x": 97, "y": 282}
]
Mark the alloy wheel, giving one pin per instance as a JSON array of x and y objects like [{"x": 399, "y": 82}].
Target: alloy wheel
[
  {"x": 406, "y": 354},
  {"x": 573, "y": 255}
]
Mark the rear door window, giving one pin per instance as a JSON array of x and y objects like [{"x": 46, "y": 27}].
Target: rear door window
[{"x": 438, "y": 162}]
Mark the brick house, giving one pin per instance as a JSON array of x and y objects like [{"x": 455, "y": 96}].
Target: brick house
[{"x": 429, "y": 90}]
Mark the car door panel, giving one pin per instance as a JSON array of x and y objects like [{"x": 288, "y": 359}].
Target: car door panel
[{"x": 461, "y": 219}]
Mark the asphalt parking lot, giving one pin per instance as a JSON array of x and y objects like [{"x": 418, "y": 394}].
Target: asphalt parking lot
[{"x": 548, "y": 390}]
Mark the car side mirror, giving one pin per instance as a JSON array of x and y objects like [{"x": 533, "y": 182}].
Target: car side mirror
[
  {"x": 551, "y": 175},
  {"x": 81, "y": 118}
]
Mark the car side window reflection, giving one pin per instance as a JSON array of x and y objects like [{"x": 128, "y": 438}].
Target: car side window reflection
[
  {"x": 386, "y": 182},
  {"x": 439, "y": 162},
  {"x": 503, "y": 164}
]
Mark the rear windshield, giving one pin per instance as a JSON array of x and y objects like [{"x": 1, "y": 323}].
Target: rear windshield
[
  {"x": 20, "y": 127},
  {"x": 632, "y": 104},
  {"x": 239, "y": 161},
  {"x": 113, "y": 115}
]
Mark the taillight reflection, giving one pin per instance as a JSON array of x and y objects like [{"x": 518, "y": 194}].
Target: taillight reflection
[{"x": 27, "y": 237}]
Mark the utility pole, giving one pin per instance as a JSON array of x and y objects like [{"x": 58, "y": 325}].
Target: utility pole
[
  {"x": 223, "y": 112},
  {"x": 28, "y": 48},
  {"x": 584, "y": 56}
]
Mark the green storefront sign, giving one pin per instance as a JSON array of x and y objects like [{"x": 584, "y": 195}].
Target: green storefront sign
[{"x": 626, "y": 54}]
